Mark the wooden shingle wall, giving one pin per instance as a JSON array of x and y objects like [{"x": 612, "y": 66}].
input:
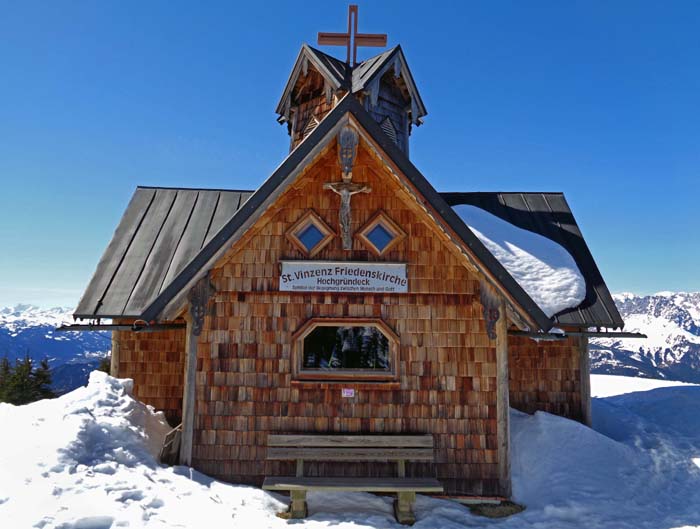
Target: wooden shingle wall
[
  {"x": 447, "y": 364},
  {"x": 545, "y": 376},
  {"x": 155, "y": 361}
]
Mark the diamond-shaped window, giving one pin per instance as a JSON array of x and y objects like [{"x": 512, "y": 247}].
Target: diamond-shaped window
[
  {"x": 310, "y": 237},
  {"x": 381, "y": 234},
  {"x": 310, "y": 234},
  {"x": 380, "y": 237}
]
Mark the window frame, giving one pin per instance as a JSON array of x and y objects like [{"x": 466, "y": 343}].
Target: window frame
[
  {"x": 308, "y": 218},
  {"x": 381, "y": 218},
  {"x": 346, "y": 375}
]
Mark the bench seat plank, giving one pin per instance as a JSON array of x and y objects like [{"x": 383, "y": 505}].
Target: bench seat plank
[
  {"x": 391, "y": 441},
  {"x": 353, "y": 484},
  {"x": 350, "y": 454}
]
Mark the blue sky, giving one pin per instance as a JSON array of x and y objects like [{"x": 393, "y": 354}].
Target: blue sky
[{"x": 596, "y": 99}]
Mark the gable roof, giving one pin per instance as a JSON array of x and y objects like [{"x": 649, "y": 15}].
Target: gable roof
[
  {"x": 172, "y": 295},
  {"x": 549, "y": 215},
  {"x": 161, "y": 231},
  {"x": 155, "y": 255},
  {"x": 362, "y": 77}
]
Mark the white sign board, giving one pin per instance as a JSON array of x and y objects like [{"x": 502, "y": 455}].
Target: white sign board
[{"x": 329, "y": 276}]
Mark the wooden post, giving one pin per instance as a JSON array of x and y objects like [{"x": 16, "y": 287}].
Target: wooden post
[
  {"x": 297, "y": 507},
  {"x": 188, "y": 395},
  {"x": 198, "y": 298},
  {"x": 503, "y": 402},
  {"x": 403, "y": 507},
  {"x": 114, "y": 355},
  {"x": 585, "y": 381}
]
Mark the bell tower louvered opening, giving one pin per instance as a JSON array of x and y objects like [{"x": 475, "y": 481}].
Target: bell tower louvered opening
[
  {"x": 389, "y": 129},
  {"x": 311, "y": 124}
]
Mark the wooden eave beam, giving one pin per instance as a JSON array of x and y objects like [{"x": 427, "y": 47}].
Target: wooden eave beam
[
  {"x": 154, "y": 327},
  {"x": 565, "y": 334}
]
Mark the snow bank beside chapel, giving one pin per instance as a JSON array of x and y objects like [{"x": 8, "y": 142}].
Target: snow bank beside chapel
[{"x": 87, "y": 460}]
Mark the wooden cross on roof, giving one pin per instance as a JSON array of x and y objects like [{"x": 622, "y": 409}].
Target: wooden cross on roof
[{"x": 352, "y": 39}]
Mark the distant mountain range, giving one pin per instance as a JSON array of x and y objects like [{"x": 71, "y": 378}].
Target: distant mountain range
[
  {"x": 670, "y": 320},
  {"x": 29, "y": 330}
]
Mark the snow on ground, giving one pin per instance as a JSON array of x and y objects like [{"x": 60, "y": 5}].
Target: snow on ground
[
  {"x": 611, "y": 385},
  {"x": 543, "y": 268},
  {"x": 86, "y": 461}
]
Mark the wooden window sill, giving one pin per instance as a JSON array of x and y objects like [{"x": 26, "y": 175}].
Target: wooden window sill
[{"x": 364, "y": 385}]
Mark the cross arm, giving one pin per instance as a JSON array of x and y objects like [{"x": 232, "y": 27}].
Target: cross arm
[
  {"x": 370, "y": 39},
  {"x": 333, "y": 39}
]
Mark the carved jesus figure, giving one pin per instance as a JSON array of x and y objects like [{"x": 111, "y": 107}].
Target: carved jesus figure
[{"x": 346, "y": 190}]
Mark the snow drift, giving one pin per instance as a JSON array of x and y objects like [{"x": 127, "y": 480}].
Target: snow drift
[
  {"x": 87, "y": 461},
  {"x": 543, "y": 268}
]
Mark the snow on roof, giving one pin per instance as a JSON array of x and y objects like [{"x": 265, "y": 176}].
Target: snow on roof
[{"x": 543, "y": 268}]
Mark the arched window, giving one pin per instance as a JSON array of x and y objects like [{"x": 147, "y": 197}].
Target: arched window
[{"x": 345, "y": 349}]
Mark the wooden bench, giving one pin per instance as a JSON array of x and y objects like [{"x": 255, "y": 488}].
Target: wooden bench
[{"x": 394, "y": 448}]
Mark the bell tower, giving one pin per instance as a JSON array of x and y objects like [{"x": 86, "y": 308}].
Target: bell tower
[{"x": 383, "y": 84}]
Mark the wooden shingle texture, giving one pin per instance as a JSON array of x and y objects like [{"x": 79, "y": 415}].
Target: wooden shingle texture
[{"x": 447, "y": 364}]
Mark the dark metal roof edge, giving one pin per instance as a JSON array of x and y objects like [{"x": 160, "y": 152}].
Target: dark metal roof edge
[
  {"x": 457, "y": 194},
  {"x": 212, "y": 189},
  {"x": 77, "y": 316},
  {"x": 608, "y": 303},
  {"x": 252, "y": 204}
]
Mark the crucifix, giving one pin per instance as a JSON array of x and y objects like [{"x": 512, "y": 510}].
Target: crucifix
[
  {"x": 348, "y": 139},
  {"x": 352, "y": 39}
]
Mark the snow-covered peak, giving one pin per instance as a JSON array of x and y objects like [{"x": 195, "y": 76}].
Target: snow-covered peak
[
  {"x": 623, "y": 296},
  {"x": 23, "y": 316},
  {"x": 543, "y": 268},
  {"x": 671, "y": 321}
]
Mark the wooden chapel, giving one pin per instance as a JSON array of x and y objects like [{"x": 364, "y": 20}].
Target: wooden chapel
[{"x": 344, "y": 296}]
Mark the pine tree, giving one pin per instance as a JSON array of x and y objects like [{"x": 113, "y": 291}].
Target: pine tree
[
  {"x": 21, "y": 386},
  {"x": 41, "y": 381},
  {"x": 23, "y": 383},
  {"x": 5, "y": 374},
  {"x": 105, "y": 365}
]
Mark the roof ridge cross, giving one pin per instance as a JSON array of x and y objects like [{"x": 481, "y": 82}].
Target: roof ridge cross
[{"x": 352, "y": 39}]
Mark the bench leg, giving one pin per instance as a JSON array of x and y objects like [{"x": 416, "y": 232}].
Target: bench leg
[
  {"x": 403, "y": 508},
  {"x": 297, "y": 507}
]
